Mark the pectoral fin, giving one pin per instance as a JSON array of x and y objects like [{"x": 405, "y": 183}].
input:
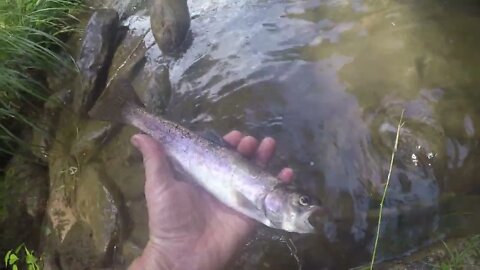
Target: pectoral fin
[{"x": 250, "y": 209}]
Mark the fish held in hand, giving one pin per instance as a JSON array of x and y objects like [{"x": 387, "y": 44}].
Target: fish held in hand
[{"x": 223, "y": 172}]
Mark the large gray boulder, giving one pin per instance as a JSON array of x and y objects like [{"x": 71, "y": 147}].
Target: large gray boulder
[
  {"x": 95, "y": 58},
  {"x": 170, "y": 20}
]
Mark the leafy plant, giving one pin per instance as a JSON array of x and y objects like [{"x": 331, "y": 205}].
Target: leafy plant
[
  {"x": 30, "y": 38},
  {"x": 21, "y": 256},
  {"x": 31, "y": 34},
  {"x": 466, "y": 255}
]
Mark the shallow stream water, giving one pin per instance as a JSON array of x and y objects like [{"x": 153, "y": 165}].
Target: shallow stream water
[{"x": 328, "y": 79}]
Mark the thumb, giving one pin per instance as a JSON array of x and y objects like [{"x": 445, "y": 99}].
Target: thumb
[{"x": 157, "y": 168}]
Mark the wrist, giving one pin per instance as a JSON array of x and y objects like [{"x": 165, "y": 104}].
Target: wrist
[{"x": 152, "y": 258}]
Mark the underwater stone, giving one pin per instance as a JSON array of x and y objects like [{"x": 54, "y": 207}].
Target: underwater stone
[
  {"x": 77, "y": 252},
  {"x": 124, "y": 165},
  {"x": 61, "y": 79},
  {"x": 28, "y": 184},
  {"x": 99, "y": 206},
  {"x": 139, "y": 215},
  {"x": 41, "y": 140},
  {"x": 130, "y": 251},
  {"x": 24, "y": 203},
  {"x": 158, "y": 92},
  {"x": 57, "y": 101},
  {"x": 63, "y": 171},
  {"x": 92, "y": 136},
  {"x": 43, "y": 136},
  {"x": 95, "y": 58},
  {"x": 170, "y": 21},
  {"x": 125, "y": 8}
]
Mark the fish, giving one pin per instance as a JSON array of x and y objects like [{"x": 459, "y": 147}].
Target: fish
[{"x": 231, "y": 178}]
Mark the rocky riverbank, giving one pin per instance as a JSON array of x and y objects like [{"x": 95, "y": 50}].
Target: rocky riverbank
[
  {"x": 88, "y": 196},
  {"x": 85, "y": 181}
]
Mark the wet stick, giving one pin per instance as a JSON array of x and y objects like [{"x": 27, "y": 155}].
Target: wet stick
[
  {"x": 395, "y": 147},
  {"x": 134, "y": 53}
]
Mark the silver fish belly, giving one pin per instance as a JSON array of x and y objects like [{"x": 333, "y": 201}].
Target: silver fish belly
[{"x": 222, "y": 172}]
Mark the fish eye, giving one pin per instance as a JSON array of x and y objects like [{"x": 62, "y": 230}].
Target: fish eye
[{"x": 304, "y": 200}]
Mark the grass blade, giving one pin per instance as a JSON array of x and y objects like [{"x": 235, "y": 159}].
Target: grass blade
[{"x": 379, "y": 223}]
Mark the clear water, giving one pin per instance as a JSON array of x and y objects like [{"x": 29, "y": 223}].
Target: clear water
[{"x": 329, "y": 79}]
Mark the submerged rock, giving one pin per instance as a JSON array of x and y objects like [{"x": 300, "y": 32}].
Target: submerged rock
[
  {"x": 25, "y": 191},
  {"x": 57, "y": 101},
  {"x": 63, "y": 178},
  {"x": 95, "y": 58},
  {"x": 84, "y": 215},
  {"x": 77, "y": 252},
  {"x": 92, "y": 136},
  {"x": 84, "y": 207},
  {"x": 124, "y": 166},
  {"x": 41, "y": 140},
  {"x": 61, "y": 80},
  {"x": 456, "y": 253},
  {"x": 124, "y": 7},
  {"x": 96, "y": 176},
  {"x": 43, "y": 136},
  {"x": 170, "y": 21},
  {"x": 158, "y": 92},
  {"x": 28, "y": 183},
  {"x": 98, "y": 206},
  {"x": 139, "y": 216},
  {"x": 131, "y": 251}
]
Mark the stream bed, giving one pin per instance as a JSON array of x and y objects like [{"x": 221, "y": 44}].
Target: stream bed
[{"x": 328, "y": 79}]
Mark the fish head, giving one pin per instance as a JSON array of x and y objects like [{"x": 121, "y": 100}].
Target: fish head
[{"x": 292, "y": 211}]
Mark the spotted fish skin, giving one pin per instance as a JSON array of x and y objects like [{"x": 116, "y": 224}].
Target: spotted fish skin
[{"x": 221, "y": 171}]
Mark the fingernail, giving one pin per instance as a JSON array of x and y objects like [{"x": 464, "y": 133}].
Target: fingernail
[{"x": 135, "y": 141}]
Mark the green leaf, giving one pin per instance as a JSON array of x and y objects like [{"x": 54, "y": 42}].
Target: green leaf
[
  {"x": 7, "y": 256},
  {"x": 12, "y": 259},
  {"x": 29, "y": 42},
  {"x": 18, "y": 248},
  {"x": 30, "y": 259},
  {"x": 15, "y": 267},
  {"x": 27, "y": 251}
]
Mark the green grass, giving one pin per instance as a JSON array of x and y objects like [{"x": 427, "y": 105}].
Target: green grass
[
  {"x": 30, "y": 38},
  {"x": 21, "y": 256},
  {"x": 465, "y": 255},
  {"x": 382, "y": 202},
  {"x": 31, "y": 42}
]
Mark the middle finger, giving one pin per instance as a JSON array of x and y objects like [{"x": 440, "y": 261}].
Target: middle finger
[
  {"x": 265, "y": 151},
  {"x": 248, "y": 146}
]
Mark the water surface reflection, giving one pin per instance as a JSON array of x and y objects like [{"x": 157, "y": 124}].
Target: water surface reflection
[{"x": 328, "y": 79}]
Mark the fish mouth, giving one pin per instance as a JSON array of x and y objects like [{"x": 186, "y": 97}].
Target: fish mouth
[
  {"x": 311, "y": 220},
  {"x": 316, "y": 217}
]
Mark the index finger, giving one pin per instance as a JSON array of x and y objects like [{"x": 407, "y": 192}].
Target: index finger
[{"x": 233, "y": 138}]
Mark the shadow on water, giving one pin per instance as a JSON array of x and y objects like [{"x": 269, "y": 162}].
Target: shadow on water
[{"x": 328, "y": 79}]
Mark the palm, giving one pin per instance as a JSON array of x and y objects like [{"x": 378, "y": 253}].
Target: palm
[
  {"x": 187, "y": 225},
  {"x": 188, "y": 221}
]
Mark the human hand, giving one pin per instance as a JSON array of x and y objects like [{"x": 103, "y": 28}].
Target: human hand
[{"x": 190, "y": 229}]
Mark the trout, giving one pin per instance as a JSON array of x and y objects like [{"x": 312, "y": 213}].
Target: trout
[{"x": 223, "y": 172}]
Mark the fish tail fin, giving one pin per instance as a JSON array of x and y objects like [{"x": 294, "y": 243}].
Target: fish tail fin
[{"x": 117, "y": 102}]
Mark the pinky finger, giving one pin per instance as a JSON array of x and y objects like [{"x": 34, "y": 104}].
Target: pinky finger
[{"x": 286, "y": 175}]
